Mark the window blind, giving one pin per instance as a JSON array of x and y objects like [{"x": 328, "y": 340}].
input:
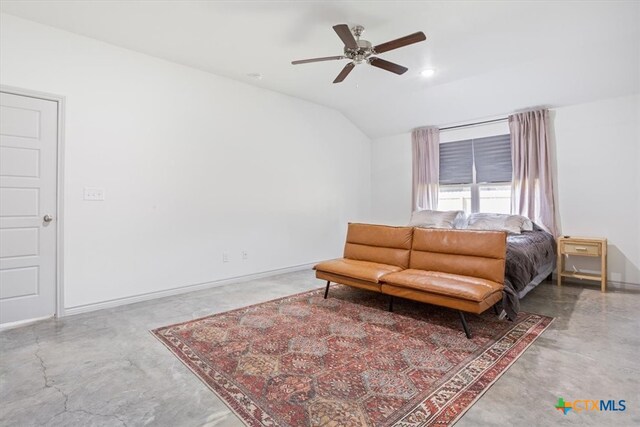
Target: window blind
[
  {"x": 456, "y": 162},
  {"x": 491, "y": 156}
]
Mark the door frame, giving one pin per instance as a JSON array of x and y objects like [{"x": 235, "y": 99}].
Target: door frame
[{"x": 59, "y": 276}]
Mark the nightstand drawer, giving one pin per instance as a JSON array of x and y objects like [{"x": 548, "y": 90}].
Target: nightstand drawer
[{"x": 592, "y": 249}]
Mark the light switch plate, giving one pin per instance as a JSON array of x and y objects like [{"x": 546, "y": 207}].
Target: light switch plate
[{"x": 93, "y": 194}]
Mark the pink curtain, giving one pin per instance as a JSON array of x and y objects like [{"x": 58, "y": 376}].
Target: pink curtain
[
  {"x": 532, "y": 186},
  {"x": 426, "y": 167}
]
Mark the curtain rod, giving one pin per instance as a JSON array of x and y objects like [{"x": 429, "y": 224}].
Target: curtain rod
[{"x": 475, "y": 124}]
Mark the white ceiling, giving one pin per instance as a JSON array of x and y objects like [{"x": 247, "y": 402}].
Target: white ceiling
[{"x": 491, "y": 57}]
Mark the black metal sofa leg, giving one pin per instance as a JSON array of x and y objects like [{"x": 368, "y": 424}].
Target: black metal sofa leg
[
  {"x": 390, "y": 303},
  {"x": 495, "y": 309},
  {"x": 326, "y": 291},
  {"x": 464, "y": 324}
]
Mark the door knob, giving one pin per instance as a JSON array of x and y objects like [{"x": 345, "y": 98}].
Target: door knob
[{"x": 47, "y": 218}]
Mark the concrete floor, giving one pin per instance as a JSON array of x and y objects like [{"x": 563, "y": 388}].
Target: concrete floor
[{"x": 104, "y": 368}]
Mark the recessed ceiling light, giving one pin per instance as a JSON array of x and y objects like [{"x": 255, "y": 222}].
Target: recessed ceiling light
[{"x": 428, "y": 72}]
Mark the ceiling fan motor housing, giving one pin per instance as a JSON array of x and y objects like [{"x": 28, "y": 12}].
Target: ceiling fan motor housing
[{"x": 362, "y": 53}]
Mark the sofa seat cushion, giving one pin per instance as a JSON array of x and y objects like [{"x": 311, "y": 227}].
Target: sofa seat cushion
[
  {"x": 363, "y": 270},
  {"x": 451, "y": 285}
]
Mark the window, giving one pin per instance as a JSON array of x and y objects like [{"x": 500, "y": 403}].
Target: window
[{"x": 475, "y": 175}]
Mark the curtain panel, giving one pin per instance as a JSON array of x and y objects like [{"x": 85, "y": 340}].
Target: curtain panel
[
  {"x": 426, "y": 167},
  {"x": 532, "y": 186}
]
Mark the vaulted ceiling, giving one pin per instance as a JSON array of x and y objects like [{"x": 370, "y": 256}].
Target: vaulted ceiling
[{"x": 490, "y": 58}]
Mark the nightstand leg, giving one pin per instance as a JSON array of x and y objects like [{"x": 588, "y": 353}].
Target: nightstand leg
[
  {"x": 603, "y": 285},
  {"x": 560, "y": 267}
]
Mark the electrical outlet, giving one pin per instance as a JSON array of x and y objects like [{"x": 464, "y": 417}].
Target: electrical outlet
[
  {"x": 245, "y": 255},
  {"x": 225, "y": 256},
  {"x": 93, "y": 194}
]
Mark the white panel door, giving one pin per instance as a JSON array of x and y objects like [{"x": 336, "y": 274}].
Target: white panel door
[{"x": 28, "y": 173}]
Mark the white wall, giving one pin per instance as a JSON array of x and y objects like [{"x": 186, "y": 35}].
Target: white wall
[
  {"x": 598, "y": 152},
  {"x": 598, "y": 177},
  {"x": 391, "y": 179},
  {"x": 192, "y": 164}
]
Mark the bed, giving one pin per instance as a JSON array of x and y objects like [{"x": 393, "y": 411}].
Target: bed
[{"x": 531, "y": 257}]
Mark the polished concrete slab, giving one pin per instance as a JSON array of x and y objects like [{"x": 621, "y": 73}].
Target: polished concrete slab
[{"x": 104, "y": 368}]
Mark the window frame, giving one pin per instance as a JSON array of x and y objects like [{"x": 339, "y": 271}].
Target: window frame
[{"x": 474, "y": 186}]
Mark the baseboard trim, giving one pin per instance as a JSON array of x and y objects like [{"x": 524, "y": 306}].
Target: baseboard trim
[
  {"x": 180, "y": 290},
  {"x": 11, "y": 325}
]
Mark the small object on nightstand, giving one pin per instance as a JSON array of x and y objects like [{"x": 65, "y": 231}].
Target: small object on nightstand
[{"x": 583, "y": 246}]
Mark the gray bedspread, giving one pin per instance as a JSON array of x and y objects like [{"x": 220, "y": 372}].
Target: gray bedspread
[{"x": 526, "y": 254}]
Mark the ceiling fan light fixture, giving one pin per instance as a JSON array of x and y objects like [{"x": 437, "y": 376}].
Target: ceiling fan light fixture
[{"x": 429, "y": 72}]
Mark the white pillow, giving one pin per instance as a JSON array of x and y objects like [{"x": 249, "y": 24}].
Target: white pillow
[
  {"x": 435, "y": 219},
  {"x": 527, "y": 224},
  {"x": 499, "y": 222}
]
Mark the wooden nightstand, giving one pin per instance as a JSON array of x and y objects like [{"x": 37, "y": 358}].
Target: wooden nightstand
[{"x": 583, "y": 246}]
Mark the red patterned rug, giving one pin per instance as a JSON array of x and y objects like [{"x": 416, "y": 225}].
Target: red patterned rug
[{"x": 345, "y": 361}]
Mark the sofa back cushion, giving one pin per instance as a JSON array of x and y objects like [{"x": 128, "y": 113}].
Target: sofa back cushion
[
  {"x": 379, "y": 243},
  {"x": 468, "y": 253}
]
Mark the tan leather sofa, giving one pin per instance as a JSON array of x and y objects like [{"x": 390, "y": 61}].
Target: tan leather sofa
[{"x": 459, "y": 269}]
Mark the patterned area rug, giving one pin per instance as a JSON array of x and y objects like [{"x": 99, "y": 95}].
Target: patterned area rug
[{"x": 345, "y": 361}]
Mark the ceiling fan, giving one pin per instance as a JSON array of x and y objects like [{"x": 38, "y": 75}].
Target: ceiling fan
[{"x": 360, "y": 51}]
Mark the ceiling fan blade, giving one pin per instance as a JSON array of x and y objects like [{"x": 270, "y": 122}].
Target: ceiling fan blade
[
  {"x": 324, "y": 58},
  {"x": 386, "y": 65},
  {"x": 343, "y": 31},
  {"x": 401, "y": 42},
  {"x": 344, "y": 73}
]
